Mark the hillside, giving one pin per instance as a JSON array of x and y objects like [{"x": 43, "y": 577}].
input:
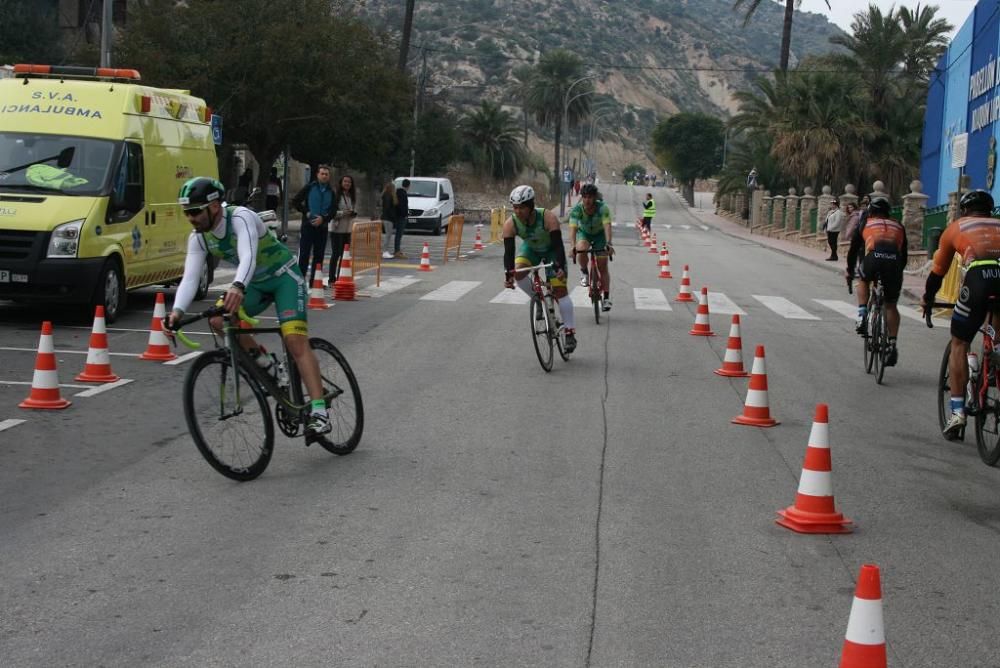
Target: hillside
[{"x": 654, "y": 57}]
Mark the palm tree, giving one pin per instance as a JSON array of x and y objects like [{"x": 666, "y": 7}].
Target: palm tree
[
  {"x": 556, "y": 72},
  {"x": 926, "y": 39},
  {"x": 522, "y": 74},
  {"x": 491, "y": 140},
  {"x": 786, "y": 28}
]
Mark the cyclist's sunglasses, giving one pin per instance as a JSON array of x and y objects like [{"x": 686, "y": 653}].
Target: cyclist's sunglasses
[{"x": 192, "y": 211}]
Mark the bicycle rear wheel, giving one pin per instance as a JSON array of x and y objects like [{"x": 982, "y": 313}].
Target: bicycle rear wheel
[
  {"x": 869, "y": 340},
  {"x": 539, "y": 323},
  {"x": 235, "y": 437},
  {"x": 944, "y": 391},
  {"x": 882, "y": 351},
  {"x": 343, "y": 398}
]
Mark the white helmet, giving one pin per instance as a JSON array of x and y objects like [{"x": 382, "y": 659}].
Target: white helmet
[{"x": 521, "y": 194}]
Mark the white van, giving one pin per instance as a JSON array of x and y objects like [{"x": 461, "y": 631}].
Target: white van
[{"x": 431, "y": 200}]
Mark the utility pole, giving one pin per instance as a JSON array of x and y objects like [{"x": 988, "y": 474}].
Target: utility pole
[
  {"x": 106, "y": 29},
  {"x": 404, "y": 46},
  {"x": 416, "y": 108}
]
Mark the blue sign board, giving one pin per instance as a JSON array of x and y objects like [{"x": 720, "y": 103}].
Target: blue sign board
[{"x": 217, "y": 129}]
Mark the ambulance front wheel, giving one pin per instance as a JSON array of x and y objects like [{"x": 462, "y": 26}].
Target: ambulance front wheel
[{"x": 110, "y": 290}]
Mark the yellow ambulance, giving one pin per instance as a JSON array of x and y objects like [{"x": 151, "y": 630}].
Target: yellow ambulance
[{"x": 91, "y": 162}]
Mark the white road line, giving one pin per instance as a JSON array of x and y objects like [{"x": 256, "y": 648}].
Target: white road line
[
  {"x": 784, "y": 308},
  {"x": 843, "y": 308},
  {"x": 910, "y": 312},
  {"x": 451, "y": 291},
  {"x": 183, "y": 358},
  {"x": 28, "y": 382},
  {"x": 93, "y": 391},
  {"x": 63, "y": 352},
  {"x": 667, "y": 227},
  {"x": 7, "y": 424},
  {"x": 515, "y": 296},
  {"x": 580, "y": 297},
  {"x": 705, "y": 227},
  {"x": 650, "y": 299},
  {"x": 723, "y": 305},
  {"x": 685, "y": 227},
  {"x": 389, "y": 285}
]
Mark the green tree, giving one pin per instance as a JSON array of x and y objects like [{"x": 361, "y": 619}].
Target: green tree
[
  {"x": 556, "y": 72},
  {"x": 29, "y": 32},
  {"x": 261, "y": 69},
  {"x": 689, "y": 145},
  {"x": 749, "y": 8},
  {"x": 491, "y": 141},
  {"x": 632, "y": 171}
]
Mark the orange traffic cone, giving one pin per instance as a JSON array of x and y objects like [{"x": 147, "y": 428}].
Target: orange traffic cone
[
  {"x": 864, "y": 642},
  {"x": 158, "y": 348},
  {"x": 478, "y": 246},
  {"x": 665, "y": 262},
  {"x": 685, "y": 292},
  {"x": 732, "y": 363},
  {"x": 645, "y": 237},
  {"x": 701, "y": 326},
  {"x": 317, "y": 298},
  {"x": 425, "y": 258},
  {"x": 814, "y": 510},
  {"x": 98, "y": 366},
  {"x": 344, "y": 289},
  {"x": 755, "y": 409},
  {"x": 45, "y": 382},
  {"x": 652, "y": 244}
]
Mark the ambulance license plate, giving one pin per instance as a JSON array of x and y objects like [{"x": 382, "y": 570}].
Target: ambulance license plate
[{"x": 4, "y": 276}]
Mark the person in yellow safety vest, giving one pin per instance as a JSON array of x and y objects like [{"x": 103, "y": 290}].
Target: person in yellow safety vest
[{"x": 648, "y": 212}]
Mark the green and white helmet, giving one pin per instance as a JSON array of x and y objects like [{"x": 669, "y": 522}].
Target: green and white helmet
[{"x": 199, "y": 191}]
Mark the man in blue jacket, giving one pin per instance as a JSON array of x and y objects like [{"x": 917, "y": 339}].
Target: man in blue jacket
[{"x": 315, "y": 202}]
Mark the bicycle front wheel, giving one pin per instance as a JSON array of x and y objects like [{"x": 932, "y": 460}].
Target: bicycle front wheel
[
  {"x": 556, "y": 327},
  {"x": 234, "y": 434},
  {"x": 343, "y": 398},
  {"x": 882, "y": 351},
  {"x": 943, "y": 389},
  {"x": 595, "y": 299},
  {"x": 539, "y": 323}
]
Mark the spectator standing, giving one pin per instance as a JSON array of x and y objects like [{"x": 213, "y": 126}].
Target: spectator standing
[
  {"x": 851, "y": 217},
  {"x": 402, "y": 216},
  {"x": 648, "y": 212},
  {"x": 315, "y": 202},
  {"x": 390, "y": 211},
  {"x": 273, "y": 196},
  {"x": 345, "y": 199},
  {"x": 832, "y": 225}
]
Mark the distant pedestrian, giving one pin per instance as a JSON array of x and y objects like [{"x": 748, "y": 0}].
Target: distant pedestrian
[
  {"x": 315, "y": 202},
  {"x": 402, "y": 216},
  {"x": 851, "y": 217},
  {"x": 345, "y": 199},
  {"x": 273, "y": 196},
  {"x": 832, "y": 225},
  {"x": 390, "y": 210}
]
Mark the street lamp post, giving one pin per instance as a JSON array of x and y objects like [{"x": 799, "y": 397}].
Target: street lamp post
[{"x": 565, "y": 113}]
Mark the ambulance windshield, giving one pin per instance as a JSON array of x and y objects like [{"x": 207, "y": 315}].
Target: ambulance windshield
[{"x": 68, "y": 165}]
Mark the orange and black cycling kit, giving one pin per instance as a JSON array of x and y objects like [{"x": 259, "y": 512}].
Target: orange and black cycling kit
[
  {"x": 884, "y": 244},
  {"x": 977, "y": 240}
]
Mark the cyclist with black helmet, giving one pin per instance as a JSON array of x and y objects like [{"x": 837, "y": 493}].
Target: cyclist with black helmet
[
  {"x": 542, "y": 242},
  {"x": 882, "y": 243},
  {"x": 975, "y": 236},
  {"x": 266, "y": 272},
  {"x": 590, "y": 231}
]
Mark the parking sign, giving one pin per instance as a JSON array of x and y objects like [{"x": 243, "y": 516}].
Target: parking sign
[{"x": 217, "y": 129}]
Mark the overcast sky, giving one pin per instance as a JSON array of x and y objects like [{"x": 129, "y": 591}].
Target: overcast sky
[{"x": 842, "y": 11}]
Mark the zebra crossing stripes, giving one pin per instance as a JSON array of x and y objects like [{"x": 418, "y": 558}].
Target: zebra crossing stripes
[
  {"x": 388, "y": 286},
  {"x": 8, "y": 424},
  {"x": 843, "y": 308},
  {"x": 650, "y": 299},
  {"x": 723, "y": 305},
  {"x": 580, "y": 296},
  {"x": 451, "y": 291},
  {"x": 670, "y": 226},
  {"x": 785, "y": 308},
  {"x": 515, "y": 296}
]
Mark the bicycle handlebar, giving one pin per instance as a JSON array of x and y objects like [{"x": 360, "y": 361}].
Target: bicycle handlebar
[
  {"x": 929, "y": 307},
  {"x": 212, "y": 312}
]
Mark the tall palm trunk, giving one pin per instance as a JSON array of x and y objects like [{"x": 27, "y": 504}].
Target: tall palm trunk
[
  {"x": 786, "y": 34},
  {"x": 557, "y": 173}
]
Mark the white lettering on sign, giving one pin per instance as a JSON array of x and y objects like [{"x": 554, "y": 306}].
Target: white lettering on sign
[{"x": 983, "y": 79}]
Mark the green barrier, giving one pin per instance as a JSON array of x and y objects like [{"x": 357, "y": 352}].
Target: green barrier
[{"x": 933, "y": 240}]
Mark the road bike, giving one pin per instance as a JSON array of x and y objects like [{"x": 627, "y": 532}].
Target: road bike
[
  {"x": 982, "y": 392},
  {"x": 876, "y": 334},
  {"x": 595, "y": 281},
  {"x": 228, "y": 414},
  {"x": 547, "y": 331}
]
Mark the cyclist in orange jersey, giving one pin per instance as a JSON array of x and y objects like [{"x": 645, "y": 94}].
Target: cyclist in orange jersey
[
  {"x": 975, "y": 235},
  {"x": 883, "y": 241}
]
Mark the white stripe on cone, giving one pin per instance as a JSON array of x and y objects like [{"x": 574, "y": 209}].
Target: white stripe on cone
[
  {"x": 45, "y": 379},
  {"x": 865, "y": 626},
  {"x": 816, "y": 483},
  {"x": 756, "y": 398}
]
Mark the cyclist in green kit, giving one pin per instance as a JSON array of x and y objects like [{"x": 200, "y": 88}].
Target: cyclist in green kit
[
  {"x": 266, "y": 272},
  {"x": 541, "y": 242},
  {"x": 590, "y": 231}
]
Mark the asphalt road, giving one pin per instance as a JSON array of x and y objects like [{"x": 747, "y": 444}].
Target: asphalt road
[{"x": 605, "y": 514}]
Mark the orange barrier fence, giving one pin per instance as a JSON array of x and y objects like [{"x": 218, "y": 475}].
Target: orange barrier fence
[
  {"x": 366, "y": 248},
  {"x": 453, "y": 242}
]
